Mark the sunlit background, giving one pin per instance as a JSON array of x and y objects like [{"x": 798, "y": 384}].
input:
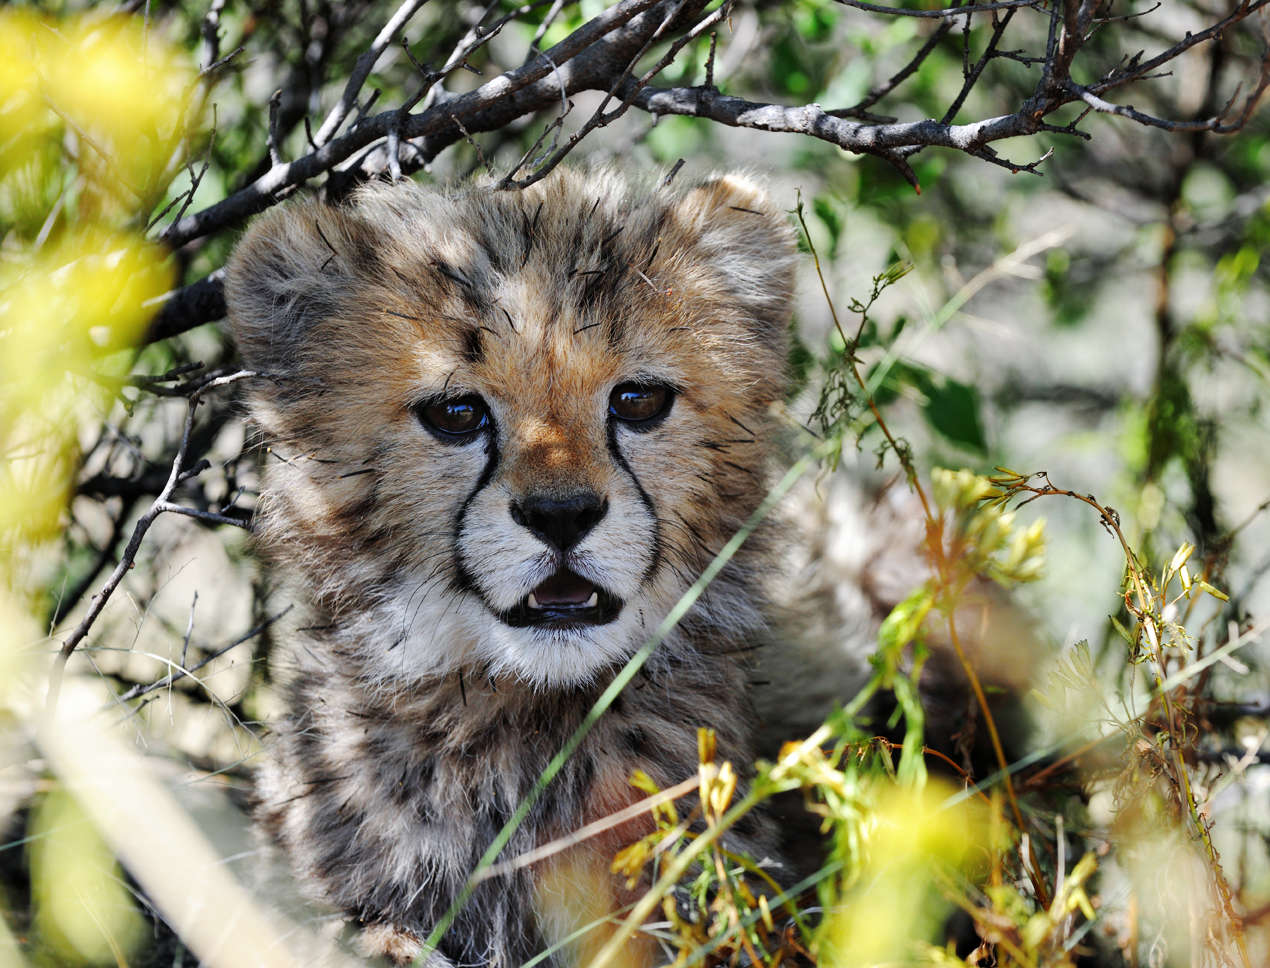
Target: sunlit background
[{"x": 1106, "y": 321}]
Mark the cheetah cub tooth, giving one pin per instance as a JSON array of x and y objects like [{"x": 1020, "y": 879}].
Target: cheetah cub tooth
[
  {"x": 533, "y": 601},
  {"x": 593, "y": 601}
]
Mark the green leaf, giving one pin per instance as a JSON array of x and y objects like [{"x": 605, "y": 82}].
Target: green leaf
[
  {"x": 952, "y": 408},
  {"x": 901, "y": 626}
]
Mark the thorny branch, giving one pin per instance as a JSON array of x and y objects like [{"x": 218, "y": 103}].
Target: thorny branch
[
  {"x": 178, "y": 473},
  {"x": 604, "y": 55}
]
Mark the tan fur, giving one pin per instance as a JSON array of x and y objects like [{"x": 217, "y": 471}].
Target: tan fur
[
  {"x": 575, "y": 900},
  {"x": 421, "y": 710}
]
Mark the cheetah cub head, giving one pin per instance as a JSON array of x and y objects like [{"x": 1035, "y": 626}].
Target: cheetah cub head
[{"x": 509, "y": 429}]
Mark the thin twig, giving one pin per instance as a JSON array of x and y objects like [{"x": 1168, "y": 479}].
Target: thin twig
[
  {"x": 160, "y": 505},
  {"x": 181, "y": 671},
  {"x": 361, "y": 70}
]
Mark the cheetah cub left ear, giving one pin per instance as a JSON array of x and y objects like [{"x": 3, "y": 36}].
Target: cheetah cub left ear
[{"x": 288, "y": 273}]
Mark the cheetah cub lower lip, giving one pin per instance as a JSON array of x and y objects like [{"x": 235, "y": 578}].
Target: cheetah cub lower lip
[{"x": 565, "y": 600}]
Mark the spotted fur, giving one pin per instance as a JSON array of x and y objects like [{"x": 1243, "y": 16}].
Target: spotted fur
[{"x": 419, "y": 717}]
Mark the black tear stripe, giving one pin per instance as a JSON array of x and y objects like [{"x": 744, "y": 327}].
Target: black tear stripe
[
  {"x": 655, "y": 559},
  {"x": 463, "y": 580}
]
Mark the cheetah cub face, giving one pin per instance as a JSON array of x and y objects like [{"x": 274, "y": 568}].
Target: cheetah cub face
[{"x": 509, "y": 429}]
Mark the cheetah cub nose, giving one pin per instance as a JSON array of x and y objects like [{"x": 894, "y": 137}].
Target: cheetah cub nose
[{"x": 560, "y": 521}]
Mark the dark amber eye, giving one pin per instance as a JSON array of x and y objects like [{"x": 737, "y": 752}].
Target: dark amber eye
[
  {"x": 455, "y": 417},
  {"x": 640, "y": 403}
]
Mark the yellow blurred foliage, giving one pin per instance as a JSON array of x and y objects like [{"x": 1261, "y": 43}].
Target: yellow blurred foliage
[
  {"x": 124, "y": 94},
  {"x": 894, "y": 906},
  {"x": 66, "y": 311},
  {"x": 83, "y": 909},
  {"x": 94, "y": 114}
]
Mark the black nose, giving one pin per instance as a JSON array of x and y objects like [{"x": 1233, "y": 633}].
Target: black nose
[{"x": 561, "y": 522}]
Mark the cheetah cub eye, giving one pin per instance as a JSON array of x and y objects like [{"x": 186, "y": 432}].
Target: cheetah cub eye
[
  {"x": 641, "y": 406},
  {"x": 454, "y": 420}
]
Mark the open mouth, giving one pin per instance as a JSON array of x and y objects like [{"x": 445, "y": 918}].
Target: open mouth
[{"x": 563, "y": 601}]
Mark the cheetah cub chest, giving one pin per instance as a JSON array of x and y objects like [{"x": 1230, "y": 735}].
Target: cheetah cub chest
[{"x": 509, "y": 431}]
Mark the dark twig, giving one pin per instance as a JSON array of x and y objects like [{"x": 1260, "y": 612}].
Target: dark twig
[
  {"x": 601, "y": 116},
  {"x": 361, "y": 70},
  {"x": 603, "y": 54},
  {"x": 183, "y": 670},
  {"x": 161, "y": 504},
  {"x": 860, "y": 108},
  {"x": 275, "y": 104},
  {"x": 503, "y": 98},
  {"x": 210, "y": 30},
  {"x": 941, "y": 14}
]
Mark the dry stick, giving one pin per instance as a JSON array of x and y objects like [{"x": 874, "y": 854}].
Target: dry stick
[
  {"x": 1215, "y": 123},
  {"x": 1146, "y": 622},
  {"x": 210, "y": 29},
  {"x": 262, "y": 192},
  {"x": 547, "y": 20},
  {"x": 945, "y": 13},
  {"x": 161, "y": 504},
  {"x": 590, "y": 830},
  {"x": 488, "y": 105},
  {"x": 181, "y": 671},
  {"x": 972, "y": 74},
  {"x": 599, "y": 118},
  {"x": 490, "y": 100},
  {"x": 940, "y": 564},
  {"x": 1241, "y": 12},
  {"x": 894, "y": 81}
]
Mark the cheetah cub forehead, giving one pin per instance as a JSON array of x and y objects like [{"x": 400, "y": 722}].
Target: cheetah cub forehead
[{"x": 511, "y": 428}]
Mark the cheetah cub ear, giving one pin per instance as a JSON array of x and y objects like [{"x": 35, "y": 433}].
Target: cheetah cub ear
[
  {"x": 733, "y": 227},
  {"x": 285, "y": 276}
]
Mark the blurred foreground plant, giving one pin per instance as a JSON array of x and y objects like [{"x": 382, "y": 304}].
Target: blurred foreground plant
[
  {"x": 904, "y": 850},
  {"x": 93, "y": 114}
]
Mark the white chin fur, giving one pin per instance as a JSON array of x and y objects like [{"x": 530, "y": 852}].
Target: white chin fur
[{"x": 420, "y": 632}]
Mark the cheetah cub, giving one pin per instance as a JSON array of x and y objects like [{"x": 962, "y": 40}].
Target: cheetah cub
[{"x": 508, "y": 431}]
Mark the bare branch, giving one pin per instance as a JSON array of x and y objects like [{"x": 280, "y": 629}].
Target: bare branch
[
  {"x": 211, "y": 34},
  {"x": 973, "y": 74},
  {"x": 945, "y": 13},
  {"x": 1141, "y": 69},
  {"x": 812, "y": 120},
  {"x": 161, "y": 504},
  {"x": 275, "y": 103},
  {"x": 493, "y": 104},
  {"x": 860, "y": 108},
  {"x": 183, "y": 309},
  {"x": 600, "y": 118},
  {"x": 180, "y": 672},
  {"x": 603, "y": 55},
  {"x": 361, "y": 70}
]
